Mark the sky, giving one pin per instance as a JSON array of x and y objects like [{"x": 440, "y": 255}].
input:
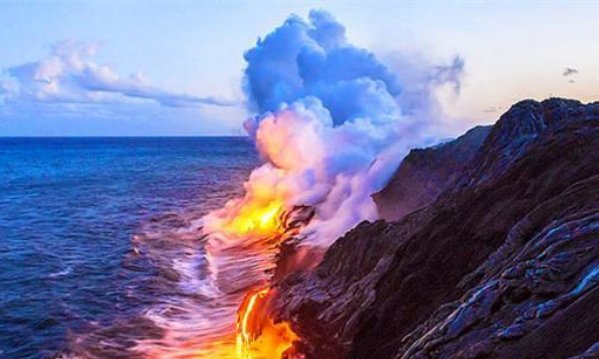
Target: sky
[{"x": 175, "y": 68}]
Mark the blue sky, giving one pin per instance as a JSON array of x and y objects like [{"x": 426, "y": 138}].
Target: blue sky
[{"x": 175, "y": 67}]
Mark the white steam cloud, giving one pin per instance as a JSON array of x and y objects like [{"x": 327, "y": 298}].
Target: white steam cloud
[
  {"x": 301, "y": 59},
  {"x": 333, "y": 121}
]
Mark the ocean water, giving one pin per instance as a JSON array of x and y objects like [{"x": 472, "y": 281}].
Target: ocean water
[{"x": 99, "y": 240}]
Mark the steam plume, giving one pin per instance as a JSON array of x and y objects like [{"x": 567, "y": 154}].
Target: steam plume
[{"x": 330, "y": 124}]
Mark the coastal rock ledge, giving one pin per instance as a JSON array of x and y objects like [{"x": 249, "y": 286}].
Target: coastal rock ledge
[{"x": 490, "y": 250}]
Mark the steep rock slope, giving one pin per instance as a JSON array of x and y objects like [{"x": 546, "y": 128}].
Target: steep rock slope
[
  {"x": 499, "y": 265},
  {"x": 425, "y": 173}
]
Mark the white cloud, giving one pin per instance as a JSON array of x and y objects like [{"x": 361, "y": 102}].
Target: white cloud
[
  {"x": 70, "y": 75},
  {"x": 568, "y": 71}
]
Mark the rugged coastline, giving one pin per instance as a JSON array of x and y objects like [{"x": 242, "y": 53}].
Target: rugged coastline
[{"x": 496, "y": 258}]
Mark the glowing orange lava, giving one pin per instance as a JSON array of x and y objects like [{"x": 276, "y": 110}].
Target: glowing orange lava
[
  {"x": 258, "y": 213},
  {"x": 257, "y": 218},
  {"x": 258, "y": 337}
]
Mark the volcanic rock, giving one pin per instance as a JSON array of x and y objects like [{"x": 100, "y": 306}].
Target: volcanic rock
[
  {"x": 425, "y": 173},
  {"x": 503, "y": 263}
]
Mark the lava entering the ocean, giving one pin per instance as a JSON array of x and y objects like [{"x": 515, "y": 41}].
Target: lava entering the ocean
[
  {"x": 258, "y": 336},
  {"x": 263, "y": 221},
  {"x": 325, "y": 121},
  {"x": 256, "y": 214}
]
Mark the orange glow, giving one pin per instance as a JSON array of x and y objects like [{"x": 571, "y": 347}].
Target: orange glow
[
  {"x": 258, "y": 337},
  {"x": 271, "y": 188},
  {"x": 256, "y": 218},
  {"x": 258, "y": 213},
  {"x": 258, "y": 221}
]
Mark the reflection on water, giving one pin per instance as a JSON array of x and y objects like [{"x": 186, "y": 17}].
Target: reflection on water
[{"x": 102, "y": 255}]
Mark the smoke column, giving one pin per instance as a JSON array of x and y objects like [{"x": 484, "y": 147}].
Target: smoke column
[{"x": 330, "y": 124}]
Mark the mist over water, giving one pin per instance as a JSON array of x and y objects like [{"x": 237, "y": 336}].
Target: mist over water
[{"x": 100, "y": 240}]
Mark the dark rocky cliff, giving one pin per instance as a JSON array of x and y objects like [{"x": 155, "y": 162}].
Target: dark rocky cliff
[
  {"x": 504, "y": 263},
  {"x": 425, "y": 173}
]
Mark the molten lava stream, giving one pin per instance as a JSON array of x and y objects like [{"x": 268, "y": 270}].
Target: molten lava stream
[
  {"x": 250, "y": 231},
  {"x": 258, "y": 337}
]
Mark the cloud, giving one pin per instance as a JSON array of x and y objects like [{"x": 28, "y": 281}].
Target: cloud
[
  {"x": 332, "y": 122},
  {"x": 422, "y": 79},
  {"x": 491, "y": 109},
  {"x": 449, "y": 74},
  {"x": 70, "y": 75},
  {"x": 312, "y": 58},
  {"x": 568, "y": 71}
]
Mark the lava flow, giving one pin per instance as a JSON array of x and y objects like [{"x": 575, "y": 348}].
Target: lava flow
[
  {"x": 256, "y": 214},
  {"x": 260, "y": 221},
  {"x": 257, "y": 334}
]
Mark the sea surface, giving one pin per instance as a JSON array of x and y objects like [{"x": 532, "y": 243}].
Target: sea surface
[{"x": 99, "y": 240}]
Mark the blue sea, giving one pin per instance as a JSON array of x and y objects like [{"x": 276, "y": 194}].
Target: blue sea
[{"x": 92, "y": 231}]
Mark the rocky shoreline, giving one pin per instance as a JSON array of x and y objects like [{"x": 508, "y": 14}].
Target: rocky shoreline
[{"x": 490, "y": 249}]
